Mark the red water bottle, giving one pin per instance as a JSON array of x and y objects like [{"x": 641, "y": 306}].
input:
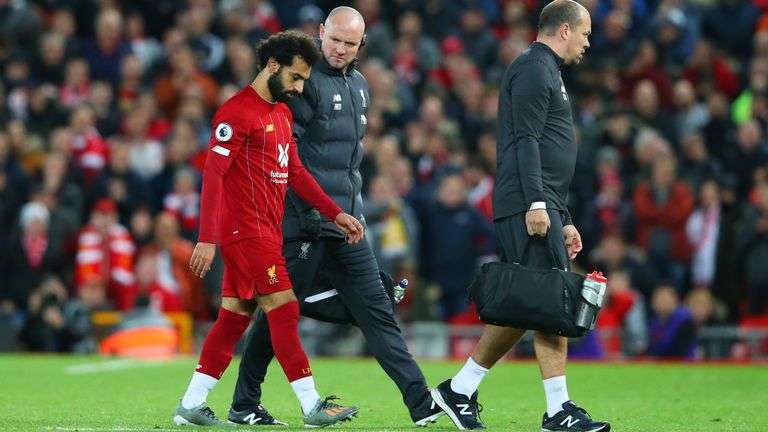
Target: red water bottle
[{"x": 592, "y": 297}]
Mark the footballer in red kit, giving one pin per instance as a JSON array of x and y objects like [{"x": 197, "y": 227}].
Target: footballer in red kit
[{"x": 251, "y": 161}]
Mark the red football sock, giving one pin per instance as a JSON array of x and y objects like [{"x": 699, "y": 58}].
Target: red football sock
[
  {"x": 220, "y": 343},
  {"x": 284, "y": 331}
]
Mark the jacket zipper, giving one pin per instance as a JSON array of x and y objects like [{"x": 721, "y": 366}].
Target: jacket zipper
[{"x": 354, "y": 150}]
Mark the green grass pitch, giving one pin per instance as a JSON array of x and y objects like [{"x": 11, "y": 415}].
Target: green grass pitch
[{"x": 68, "y": 393}]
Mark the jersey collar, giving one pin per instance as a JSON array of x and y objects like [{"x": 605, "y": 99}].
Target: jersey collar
[{"x": 544, "y": 47}]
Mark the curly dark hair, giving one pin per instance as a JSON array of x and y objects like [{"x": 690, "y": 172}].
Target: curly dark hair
[{"x": 286, "y": 45}]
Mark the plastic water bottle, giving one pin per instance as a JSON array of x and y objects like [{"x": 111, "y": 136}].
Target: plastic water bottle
[
  {"x": 400, "y": 290},
  {"x": 592, "y": 297}
]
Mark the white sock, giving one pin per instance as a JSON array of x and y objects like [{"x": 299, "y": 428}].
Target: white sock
[
  {"x": 199, "y": 387},
  {"x": 557, "y": 394},
  {"x": 306, "y": 393},
  {"x": 468, "y": 379}
]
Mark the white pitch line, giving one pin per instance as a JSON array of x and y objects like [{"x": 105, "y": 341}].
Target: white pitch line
[{"x": 107, "y": 366}]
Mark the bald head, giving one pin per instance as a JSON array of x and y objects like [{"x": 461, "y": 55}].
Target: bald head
[
  {"x": 565, "y": 26},
  {"x": 341, "y": 36},
  {"x": 345, "y": 15}
]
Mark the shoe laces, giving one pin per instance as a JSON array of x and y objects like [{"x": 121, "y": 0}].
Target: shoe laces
[
  {"x": 582, "y": 411},
  {"x": 328, "y": 402},
  {"x": 478, "y": 410},
  {"x": 208, "y": 412},
  {"x": 263, "y": 413}
]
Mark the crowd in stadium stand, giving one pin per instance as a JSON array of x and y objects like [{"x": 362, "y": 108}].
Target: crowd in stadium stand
[{"x": 105, "y": 111}]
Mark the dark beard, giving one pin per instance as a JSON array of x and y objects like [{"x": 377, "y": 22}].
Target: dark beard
[{"x": 276, "y": 88}]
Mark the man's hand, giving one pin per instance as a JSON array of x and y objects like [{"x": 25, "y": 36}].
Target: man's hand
[
  {"x": 572, "y": 241},
  {"x": 201, "y": 259},
  {"x": 537, "y": 222},
  {"x": 351, "y": 226}
]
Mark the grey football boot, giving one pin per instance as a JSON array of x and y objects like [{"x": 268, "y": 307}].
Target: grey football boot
[
  {"x": 326, "y": 412},
  {"x": 201, "y": 415}
]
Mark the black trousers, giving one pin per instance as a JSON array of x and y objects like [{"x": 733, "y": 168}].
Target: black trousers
[{"x": 352, "y": 270}]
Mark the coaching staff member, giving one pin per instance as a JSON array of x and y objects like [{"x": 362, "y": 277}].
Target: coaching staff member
[
  {"x": 537, "y": 156},
  {"x": 329, "y": 123}
]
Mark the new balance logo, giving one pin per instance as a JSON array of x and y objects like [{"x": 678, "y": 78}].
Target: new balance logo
[
  {"x": 251, "y": 418},
  {"x": 282, "y": 156},
  {"x": 464, "y": 409},
  {"x": 570, "y": 420}
]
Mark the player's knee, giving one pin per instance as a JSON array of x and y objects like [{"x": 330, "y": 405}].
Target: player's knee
[
  {"x": 275, "y": 300},
  {"x": 238, "y": 306}
]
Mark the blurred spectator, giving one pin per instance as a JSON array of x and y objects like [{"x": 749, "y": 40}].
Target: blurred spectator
[
  {"x": 690, "y": 116},
  {"x": 184, "y": 202},
  {"x": 56, "y": 323},
  {"x": 120, "y": 183},
  {"x": 76, "y": 87},
  {"x": 415, "y": 53},
  {"x": 393, "y": 229},
  {"x": 703, "y": 230},
  {"x": 131, "y": 83},
  {"x": 44, "y": 114},
  {"x": 50, "y": 64},
  {"x": 105, "y": 256},
  {"x": 757, "y": 84},
  {"x": 141, "y": 226},
  {"x": 710, "y": 71},
  {"x": 394, "y": 101},
  {"x": 718, "y": 129},
  {"x": 208, "y": 48},
  {"x": 13, "y": 187},
  {"x": 147, "y": 49},
  {"x": 39, "y": 251},
  {"x": 19, "y": 25},
  {"x": 662, "y": 207},
  {"x": 753, "y": 245},
  {"x": 477, "y": 38},
  {"x": 607, "y": 214},
  {"x": 480, "y": 188},
  {"x": 102, "y": 99},
  {"x": 644, "y": 67},
  {"x": 146, "y": 153},
  {"x": 106, "y": 51},
  {"x": 184, "y": 79},
  {"x": 613, "y": 255},
  {"x": 88, "y": 148},
  {"x": 29, "y": 149},
  {"x": 676, "y": 29},
  {"x": 704, "y": 308},
  {"x": 749, "y": 154},
  {"x": 696, "y": 164},
  {"x": 60, "y": 191},
  {"x": 378, "y": 35},
  {"x": 163, "y": 274},
  {"x": 310, "y": 17},
  {"x": 731, "y": 23},
  {"x": 648, "y": 111},
  {"x": 455, "y": 237},
  {"x": 672, "y": 331},
  {"x": 239, "y": 68}
]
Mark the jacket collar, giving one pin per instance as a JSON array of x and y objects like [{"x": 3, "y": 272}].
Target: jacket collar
[{"x": 559, "y": 61}]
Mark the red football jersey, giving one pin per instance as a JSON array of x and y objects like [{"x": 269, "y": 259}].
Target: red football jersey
[{"x": 251, "y": 161}]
